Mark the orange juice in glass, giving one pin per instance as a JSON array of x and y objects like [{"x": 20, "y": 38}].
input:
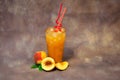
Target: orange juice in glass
[{"x": 55, "y": 43}]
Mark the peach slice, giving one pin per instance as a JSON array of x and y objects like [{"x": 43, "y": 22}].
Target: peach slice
[
  {"x": 48, "y": 64},
  {"x": 62, "y": 65}
]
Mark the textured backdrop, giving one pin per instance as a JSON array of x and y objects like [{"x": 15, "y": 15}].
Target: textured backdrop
[{"x": 92, "y": 45}]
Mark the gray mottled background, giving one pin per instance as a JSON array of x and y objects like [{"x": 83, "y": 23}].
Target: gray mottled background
[{"x": 92, "y": 45}]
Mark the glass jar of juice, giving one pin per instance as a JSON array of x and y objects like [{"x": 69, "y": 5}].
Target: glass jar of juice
[{"x": 55, "y": 43}]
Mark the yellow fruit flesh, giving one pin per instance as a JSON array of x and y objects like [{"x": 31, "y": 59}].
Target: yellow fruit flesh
[
  {"x": 62, "y": 65},
  {"x": 48, "y": 64}
]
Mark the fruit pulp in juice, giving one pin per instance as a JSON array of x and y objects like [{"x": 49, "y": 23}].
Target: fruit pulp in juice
[{"x": 55, "y": 43}]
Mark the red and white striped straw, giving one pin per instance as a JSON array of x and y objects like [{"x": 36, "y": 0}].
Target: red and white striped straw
[{"x": 61, "y": 18}]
